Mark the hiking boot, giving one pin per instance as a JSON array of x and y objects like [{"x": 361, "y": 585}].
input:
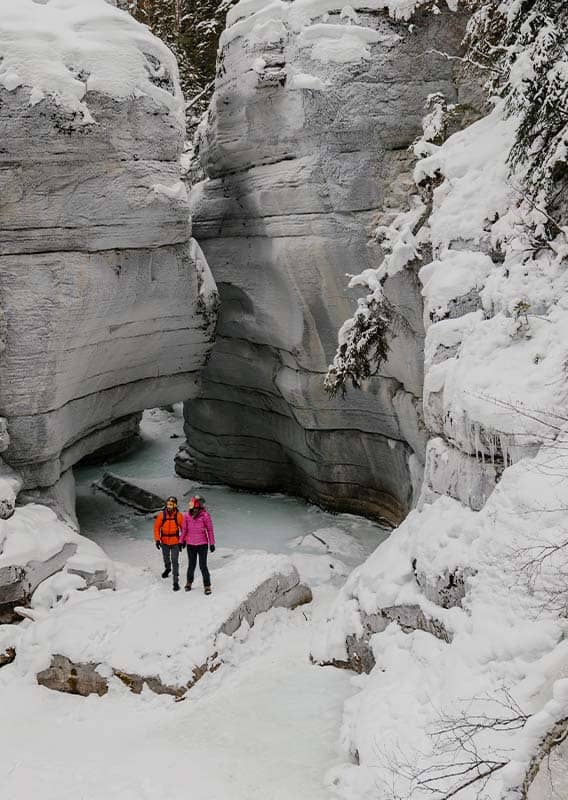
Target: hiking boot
[
  {"x": 188, "y": 587},
  {"x": 166, "y": 573},
  {"x": 176, "y": 586},
  {"x": 207, "y": 589}
]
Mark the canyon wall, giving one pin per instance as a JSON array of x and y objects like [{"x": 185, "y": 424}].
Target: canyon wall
[
  {"x": 107, "y": 304},
  {"x": 303, "y": 154}
]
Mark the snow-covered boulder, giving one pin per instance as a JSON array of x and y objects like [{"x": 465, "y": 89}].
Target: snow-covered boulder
[
  {"x": 305, "y": 152},
  {"x": 504, "y": 655},
  {"x": 107, "y": 305},
  {"x": 35, "y": 545},
  {"x": 150, "y": 637}
]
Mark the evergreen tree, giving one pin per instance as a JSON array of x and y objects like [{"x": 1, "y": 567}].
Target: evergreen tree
[
  {"x": 191, "y": 29},
  {"x": 525, "y": 44}
]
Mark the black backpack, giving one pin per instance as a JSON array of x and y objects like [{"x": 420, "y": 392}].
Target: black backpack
[{"x": 164, "y": 518}]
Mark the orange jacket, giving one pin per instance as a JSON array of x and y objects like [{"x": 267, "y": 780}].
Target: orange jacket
[{"x": 168, "y": 530}]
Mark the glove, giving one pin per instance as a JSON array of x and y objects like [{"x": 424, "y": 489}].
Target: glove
[
  {"x": 158, "y": 546},
  {"x": 181, "y": 546},
  {"x": 211, "y": 548}
]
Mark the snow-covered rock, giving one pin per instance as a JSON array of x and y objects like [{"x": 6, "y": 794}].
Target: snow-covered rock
[
  {"x": 485, "y": 553},
  {"x": 151, "y": 637},
  {"x": 107, "y": 304},
  {"x": 35, "y": 545},
  {"x": 305, "y": 152}
]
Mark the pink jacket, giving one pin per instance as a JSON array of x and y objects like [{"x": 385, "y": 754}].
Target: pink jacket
[{"x": 197, "y": 530}]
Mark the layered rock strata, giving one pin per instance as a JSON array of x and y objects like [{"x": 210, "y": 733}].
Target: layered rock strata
[
  {"x": 305, "y": 152},
  {"x": 107, "y": 305}
]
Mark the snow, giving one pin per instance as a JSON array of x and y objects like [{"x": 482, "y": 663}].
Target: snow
[
  {"x": 495, "y": 389},
  {"x": 331, "y": 540},
  {"x": 141, "y": 631},
  {"x": 21, "y": 542},
  {"x": 454, "y": 275},
  {"x": 301, "y": 80},
  {"x": 66, "y": 48},
  {"x": 57, "y": 588},
  {"x": 339, "y": 44},
  {"x": 505, "y": 390},
  {"x": 264, "y": 724},
  {"x": 472, "y": 194},
  {"x": 265, "y": 21}
]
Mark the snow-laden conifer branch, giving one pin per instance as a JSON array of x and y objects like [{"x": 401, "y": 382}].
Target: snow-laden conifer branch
[{"x": 523, "y": 47}]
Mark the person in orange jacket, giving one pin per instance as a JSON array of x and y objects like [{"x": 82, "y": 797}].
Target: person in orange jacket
[{"x": 167, "y": 529}]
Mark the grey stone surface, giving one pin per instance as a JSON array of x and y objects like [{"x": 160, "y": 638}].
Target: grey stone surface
[
  {"x": 60, "y": 498},
  {"x": 99, "y": 578},
  {"x": 18, "y": 582},
  {"x": 360, "y": 656},
  {"x": 106, "y": 307},
  {"x": 296, "y": 181},
  {"x": 452, "y": 472},
  {"x": 280, "y": 590}
]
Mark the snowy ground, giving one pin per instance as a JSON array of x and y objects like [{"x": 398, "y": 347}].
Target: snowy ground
[{"x": 265, "y": 725}]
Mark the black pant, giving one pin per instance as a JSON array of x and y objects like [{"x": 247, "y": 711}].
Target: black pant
[
  {"x": 194, "y": 550},
  {"x": 170, "y": 553}
]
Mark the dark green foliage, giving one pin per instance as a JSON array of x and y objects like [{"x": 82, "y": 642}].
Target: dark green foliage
[
  {"x": 364, "y": 348},
  {"x": 525, "y": 45}
]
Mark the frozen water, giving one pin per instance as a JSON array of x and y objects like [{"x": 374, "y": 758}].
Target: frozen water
[{"x": 241, "y": 520}]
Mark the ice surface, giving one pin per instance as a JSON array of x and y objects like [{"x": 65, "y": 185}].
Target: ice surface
[{"x": 241, "y": 520}]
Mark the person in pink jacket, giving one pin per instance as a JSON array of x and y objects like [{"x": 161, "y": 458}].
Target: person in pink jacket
[{"x": 197, "y": 533}]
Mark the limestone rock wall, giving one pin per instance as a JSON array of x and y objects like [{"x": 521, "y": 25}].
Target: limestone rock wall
[
  {"x": 304, "y": 153},
  {"x": 106, "y": 302}
]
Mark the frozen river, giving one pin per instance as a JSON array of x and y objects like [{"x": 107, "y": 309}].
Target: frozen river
[{"x": 242, "y": 520}]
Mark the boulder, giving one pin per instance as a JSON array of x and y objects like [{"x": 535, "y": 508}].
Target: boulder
[
  {"x": 34, "y": 545},
  {"x": 7, "y": 656},
  {"x": 359, "y": 652},
  {"x": 144, "y": 638},
  {"x": 18, "y": 582}
]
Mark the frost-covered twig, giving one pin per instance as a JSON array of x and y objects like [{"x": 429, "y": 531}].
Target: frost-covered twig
[{"x": 465, "y": 60}]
